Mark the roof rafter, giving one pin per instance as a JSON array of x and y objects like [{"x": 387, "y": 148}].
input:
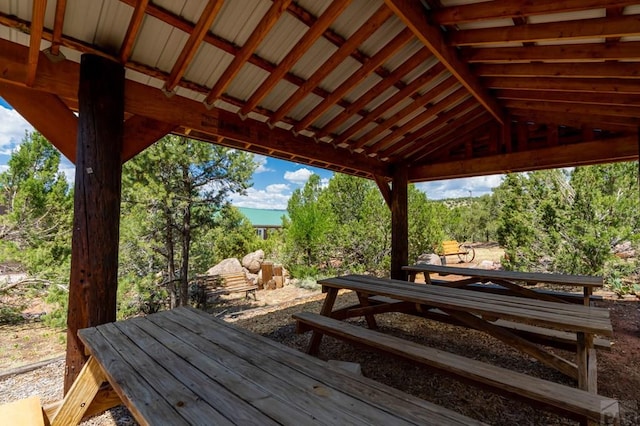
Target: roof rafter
[
  {"x": 410, "y": 64},
  {"x": 132, "y": 30},
  {"x": 393, "y": 152},
  {"x": 620, "y": 26},
  {"x": 551, "y": 84},
  {"x": 576, "y": 108},
  {"x": 354, "y": 79},
  {"x": 58, "y": 24},
  {"x": 315, "y": 31},
  {"x": 516, "y": 8},
  {"x": 415, "y": 17},
  {"x": 619, "y": 99},
  {"x": 368, "y": 28},
  {"x": 423, "y": 101},
  {"x": 193, "y": 43},
  {"x": 35, "y": 37},
  {"x": 412, "y": 88},
  {"x": 599, "y": 70},
  {"x": 590, "y": 52},
  {"x": 270, "y": 18}
]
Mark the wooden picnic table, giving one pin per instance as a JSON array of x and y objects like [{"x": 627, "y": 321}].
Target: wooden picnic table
[
  {"x": 183, "y": 367},
  {"x": 509, "y": 280},
  {"x": 478, "y": 310}
]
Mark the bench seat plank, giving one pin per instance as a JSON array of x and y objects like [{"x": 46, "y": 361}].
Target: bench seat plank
[{"x": 572, "y": 402}]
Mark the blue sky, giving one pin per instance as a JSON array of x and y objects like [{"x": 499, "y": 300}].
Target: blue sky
[{"x": 273, "y": 182}]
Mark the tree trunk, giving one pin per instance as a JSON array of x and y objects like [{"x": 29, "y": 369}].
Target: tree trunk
[
  {"x": 171, "y": 268},
  {"x": 186, "y": 243},
  {"x": 94, "y": 259}
]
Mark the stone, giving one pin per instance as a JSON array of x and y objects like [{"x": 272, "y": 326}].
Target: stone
[
  {"x": 227, "y": 266},
  {"x": 253, "y": 261},
  {"x": 429, "y": 259}
]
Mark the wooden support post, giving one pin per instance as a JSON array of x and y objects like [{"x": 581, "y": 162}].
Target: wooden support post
[
  {"x": 94, "y": 249},
  {"x": 399, "y": 223}
]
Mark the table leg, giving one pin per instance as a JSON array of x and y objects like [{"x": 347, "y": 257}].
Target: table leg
[
  {"x": 80, "y": 395},
  {"x": 364, "y": 302},
  {"x": 587, "y": 363},
  {"x": 588, "y": 291},
  {"x": 327, "y": 307}
]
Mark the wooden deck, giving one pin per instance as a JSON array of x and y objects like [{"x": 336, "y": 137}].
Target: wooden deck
[{"x": 184, "y": 367}]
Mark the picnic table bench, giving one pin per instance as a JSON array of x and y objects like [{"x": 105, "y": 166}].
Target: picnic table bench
[
  {"x": 476, "y": 310},
  {"x": 184, "y": 367}
]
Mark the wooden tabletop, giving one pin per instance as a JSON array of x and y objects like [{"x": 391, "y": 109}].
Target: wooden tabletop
[
  {"x": 186, "y": 367},
  {"x": 528, "y": 277},
  {"x": 568, "y": 317}
]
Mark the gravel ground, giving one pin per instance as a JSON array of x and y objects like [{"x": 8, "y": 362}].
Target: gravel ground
[{"x": 619, "y": 376}]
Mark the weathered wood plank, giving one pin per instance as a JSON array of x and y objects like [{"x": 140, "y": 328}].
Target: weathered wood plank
[
  {"x": 561, "y": 398},
  {"x": 405, "y": 407},
  {"x": 127, "y": 381},
  {"x": 535, "y": 312}
]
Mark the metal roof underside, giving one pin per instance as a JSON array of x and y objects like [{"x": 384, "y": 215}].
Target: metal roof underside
[{"x": 447, "y": 88}]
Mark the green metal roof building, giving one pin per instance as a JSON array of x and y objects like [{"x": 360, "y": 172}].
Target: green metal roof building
[{"x": 264, "y": 219}]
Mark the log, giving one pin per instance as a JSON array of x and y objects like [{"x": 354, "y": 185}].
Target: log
[{"x": 94, "y": 248}]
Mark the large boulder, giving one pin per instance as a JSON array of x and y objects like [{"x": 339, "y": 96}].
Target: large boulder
[
  {"x": 227, "y": 266},
  {"x": 429, "y": 259},
  {"x": 253, "y": 261}
]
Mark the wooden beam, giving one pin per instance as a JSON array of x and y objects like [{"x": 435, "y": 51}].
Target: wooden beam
[
  {"x": 598, "y": 85},
  {"x": 344, "y": 51},
  {"x": 399, "y": 222},
  {"x": 624, "y": 148},
  {"x": 415, "y": 17},
  {"x": 443, "y": 119},
  {"x": 516, "y": 8},
  {"x": 94, "y": 248},
  {"x": 262, "y": 29},
  {"x": 301, "y": 47},
  {"x": 49, "y": 115},
  {"x": 190, "y": 48},
  {"x": 356, "y": 78},
  {"x": 576, "y": 108},
  {"x": 35, "y": 37},
  {"x": 383, "y": 185},
  {"x": 140, "y": 133},
  {"x": 58, "y": 24},
  {"x": 618, "y": 124},
  {"x": 449, "y": 101},
  {"x": 600, "y": 70},
  {"x": 454, "y": 136},
  {"x": 61, "y": 79},
  {"x": 591, "y": 52},
  {"x": 614, "y": 99},
  {"x": 411, "y": 88},
  {"x": 622, "y": 26},
  {"x": 132, "y": 30},
  {"x": 397, "y": 74}
]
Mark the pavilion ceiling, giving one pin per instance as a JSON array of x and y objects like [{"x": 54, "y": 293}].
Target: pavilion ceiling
[{"x": 447, "y": 88}]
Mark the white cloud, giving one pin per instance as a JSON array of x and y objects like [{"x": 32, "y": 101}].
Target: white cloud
[
  {"x": 261, "y": 161},
  {"x": 12, "y": 127},
  {"x": 299, "y": 177},
  {"x": 272, "y": 197},
  {"x": 463, "y": 187},
  {"x": 277, "y": 188},
  {"x": 69, "y": 172}
]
